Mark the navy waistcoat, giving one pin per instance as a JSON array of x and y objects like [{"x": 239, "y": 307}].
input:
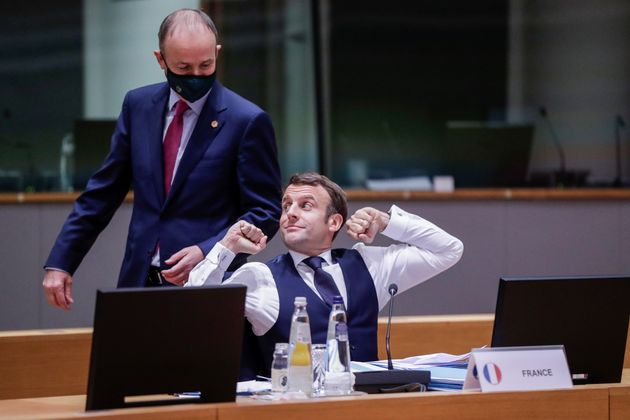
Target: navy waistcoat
[{"x": 362, "y": 306}]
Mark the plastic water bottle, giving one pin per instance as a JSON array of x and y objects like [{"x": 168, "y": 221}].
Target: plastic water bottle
[
  {"x": 279, "y": 367},
  {"x": 300, "y": 374},
  {"x": 338, "y": 374},
  {"x": 337, "y": 314}
]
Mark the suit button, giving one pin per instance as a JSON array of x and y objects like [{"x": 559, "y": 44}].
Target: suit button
[{"x": 353, "y": 347}]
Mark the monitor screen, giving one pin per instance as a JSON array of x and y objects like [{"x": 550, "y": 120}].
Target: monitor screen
[
  {"x": 587, "y": 314},
  {"x": 487, "y": 155},
  {"x": 151, "y": 343}
]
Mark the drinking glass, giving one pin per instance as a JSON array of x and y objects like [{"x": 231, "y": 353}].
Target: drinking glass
[{"x": 318, "y": 356}]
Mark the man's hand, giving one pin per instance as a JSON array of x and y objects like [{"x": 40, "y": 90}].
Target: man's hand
[
  {"x": 244, "y": 237},
  {"x": 365, "y": 223},
  {"x": 185, "y": 260},
  {"x": 58, "y": 288}
]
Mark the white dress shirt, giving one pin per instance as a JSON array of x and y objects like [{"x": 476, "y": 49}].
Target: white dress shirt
[
  {"x": 425, "y": 251},
  {"x": 191, "y": 116}
]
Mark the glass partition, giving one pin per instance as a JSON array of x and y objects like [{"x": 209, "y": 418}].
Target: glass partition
[
  {"x": 67, "y": 65},
  {"x": 492, "y": 92}
]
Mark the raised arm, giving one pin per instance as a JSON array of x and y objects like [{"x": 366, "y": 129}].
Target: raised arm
[
  {"x": 425, "y": 249},
  {"x": 241, "y": 237}
]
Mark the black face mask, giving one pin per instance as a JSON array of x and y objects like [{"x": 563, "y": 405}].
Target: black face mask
[{"x": 190, "y": 87}]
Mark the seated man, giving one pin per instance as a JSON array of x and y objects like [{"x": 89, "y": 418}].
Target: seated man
[{"x": 313, "y": 211}]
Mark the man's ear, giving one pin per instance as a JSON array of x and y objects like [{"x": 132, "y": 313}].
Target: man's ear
[
  {"x": 160, "y": 59},
  {"x": 335, "y": 222}
]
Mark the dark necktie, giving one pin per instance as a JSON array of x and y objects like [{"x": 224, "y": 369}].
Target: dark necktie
[
  {"x": 324, "y": 282},
  {"x": 172, "y": 140}
]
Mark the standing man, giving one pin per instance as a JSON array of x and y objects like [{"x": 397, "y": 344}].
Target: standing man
[
  {"x": 314, "y": 209},
  {"x": 199, "y": 158}
]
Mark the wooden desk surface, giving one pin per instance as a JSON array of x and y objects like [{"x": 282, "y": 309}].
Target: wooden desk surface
[
  {"x": 45, "y": 363},
  {"x": 587, "y": 402},
  {"x": 455, "y": 334}
]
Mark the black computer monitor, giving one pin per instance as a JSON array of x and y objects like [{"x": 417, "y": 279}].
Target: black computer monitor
[
  {"x": 152, "y": 342},
  {"x": 587, "y": 314},
  {"x": 487, "y": 155}
]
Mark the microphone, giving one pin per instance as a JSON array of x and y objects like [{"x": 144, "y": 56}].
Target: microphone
[
  {"x": 543, "y": 113},
  {"x": 619, "y": 124},
  {"x": 391, "y": 380},
  {"x": 393, "y": 289}
]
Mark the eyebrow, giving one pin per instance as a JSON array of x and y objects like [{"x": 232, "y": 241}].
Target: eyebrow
[
  {"x": 187, "y": 63},
  {"x": 301, "y": 197}
]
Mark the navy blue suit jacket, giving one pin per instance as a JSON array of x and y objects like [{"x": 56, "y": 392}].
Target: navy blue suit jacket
[{"x": 229, "y": 171}]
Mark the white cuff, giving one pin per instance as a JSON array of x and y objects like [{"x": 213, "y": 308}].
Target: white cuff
[
  {"x": 210, "y": 270},
  {"x": 397, "y": 223},
  {"x": 220, "y": 256}
]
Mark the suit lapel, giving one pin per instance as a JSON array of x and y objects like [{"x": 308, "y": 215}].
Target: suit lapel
[
  {"x": 155, "y": 131},
  {"x": 208, "y": 126}
]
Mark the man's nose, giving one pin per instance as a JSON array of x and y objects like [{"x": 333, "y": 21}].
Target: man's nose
[{"x": 291, "y": 212}]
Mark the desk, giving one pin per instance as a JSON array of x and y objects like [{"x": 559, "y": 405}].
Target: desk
[
  {"x": 45, "y": 363},
  {"x": 41, "y": 363},
  {"x": 455, "y": 334},
  {"x": 588, "y": 402}
]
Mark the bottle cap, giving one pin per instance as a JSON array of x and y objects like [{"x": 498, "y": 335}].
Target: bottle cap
[
  {"x": 282, "y": 346},
  {"x": 337, "y": 300},
  {"x": 299, "y": 300}
]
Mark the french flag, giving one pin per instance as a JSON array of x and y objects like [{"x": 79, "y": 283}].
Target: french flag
[{"x": 492, "y": 373}]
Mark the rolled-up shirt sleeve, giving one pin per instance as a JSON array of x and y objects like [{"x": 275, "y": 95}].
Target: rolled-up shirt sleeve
[
  {"x": 425, "y": 251},
  {"x": 211, "y": 269},
  {"x": 262, "y": 304}
]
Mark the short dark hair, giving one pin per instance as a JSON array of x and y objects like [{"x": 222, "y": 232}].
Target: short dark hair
[
  {"x": 189, "y": 17},
  {"x": 338, "y": 202}
]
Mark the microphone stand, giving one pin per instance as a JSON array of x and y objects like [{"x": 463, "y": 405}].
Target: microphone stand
[
  {"x": 619, "y": 124},
  {"x": 562, "y": 174},
  {"x": 393, "y": 289},
  {"x": 562, "y": 177},
  {"x": 391, "y": 380}
]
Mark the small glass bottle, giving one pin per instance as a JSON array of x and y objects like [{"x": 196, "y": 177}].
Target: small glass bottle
[
  {"x": 338, "y": 374},
  {"x": 300, "y": 374},
  {"x": 337, "y": 314},
  {"x": 279, "y": 367}
]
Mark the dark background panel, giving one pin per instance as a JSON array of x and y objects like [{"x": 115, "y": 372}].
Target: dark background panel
[{"x": 400, "y": 70}]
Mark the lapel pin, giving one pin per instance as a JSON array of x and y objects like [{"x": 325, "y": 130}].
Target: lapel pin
[{"x": 214, "y": 124}]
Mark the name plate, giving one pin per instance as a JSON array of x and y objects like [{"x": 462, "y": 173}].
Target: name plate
[{"x": 518, "y": 369}]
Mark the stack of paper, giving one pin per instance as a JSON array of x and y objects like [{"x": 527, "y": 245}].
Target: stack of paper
[
  {"x": 448, "y": 371},
  {"x": 412, "y": 183}
]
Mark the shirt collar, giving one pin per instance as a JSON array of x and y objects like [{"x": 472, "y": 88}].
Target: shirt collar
[
  {"x": 299, "y": 257},
  {"x": 196, "y": 106}
]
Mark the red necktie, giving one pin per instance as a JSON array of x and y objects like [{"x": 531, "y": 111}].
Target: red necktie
[{"x": 172, "y": 140}]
